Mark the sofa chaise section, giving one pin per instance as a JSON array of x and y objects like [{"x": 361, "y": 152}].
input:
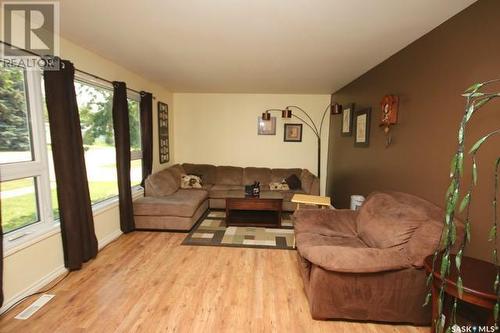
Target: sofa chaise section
[{"x": 178, "y": 211}]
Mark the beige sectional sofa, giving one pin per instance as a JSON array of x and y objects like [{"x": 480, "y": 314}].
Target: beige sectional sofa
[{"x": 166, "y": 206}]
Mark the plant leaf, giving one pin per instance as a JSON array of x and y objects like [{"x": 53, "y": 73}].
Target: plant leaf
[
  {"x": 453, "y": 235},
  {"x": 444, "y": 236},
  {"x": 474, "y": 94},
  {"x": 460, "y": 163},
  {"x": 427, "y": 299},
  {"x": 497, "y": 281},
  {"x": 460, "y": 287},
  {"x": 445, "y": 262},
  {"x": 474, "y": 171},
  {"x": 495, "y": 312},
  {"x": 465, "y": 202},
  {"x": 458, "y": 259},
  {"x": 461, "y": 132},
  {"x": 442, "y": 321},
  {"x": 475, "y": 87},
  {"x": 479, "y": 142},
  {"x": 429, "y": 279},
  {"x": 493, "y": 233},
  {"x": 480, "y": 102},
  {"x": 440, "y": 306},
  {"x": 453, "y": 166}
]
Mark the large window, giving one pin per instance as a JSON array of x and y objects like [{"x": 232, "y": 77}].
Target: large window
[
  {"x": 95, "y": 102},
  {"x": 25, "y": 191},
  {"x": 135, "y": 141},
  {"x": 27, "y": 181}
]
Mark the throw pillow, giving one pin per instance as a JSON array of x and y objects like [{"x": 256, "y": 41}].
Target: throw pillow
[
  {"x": 293, "y": 182},
  {"x": 190, "y": 181},
  {"x": 278, "y": 187}
]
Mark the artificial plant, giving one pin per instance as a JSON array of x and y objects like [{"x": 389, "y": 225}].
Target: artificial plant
[{"x": 455, "y": 202}]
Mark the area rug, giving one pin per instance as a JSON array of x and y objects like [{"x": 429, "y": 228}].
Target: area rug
[{"x": 212, "y": 231}]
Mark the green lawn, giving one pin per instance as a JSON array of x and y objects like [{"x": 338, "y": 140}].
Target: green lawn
[
  {"x": 18, "y": 211},
  {"x": 17, "y": 184},
  {"x": 21, "y": 210}
]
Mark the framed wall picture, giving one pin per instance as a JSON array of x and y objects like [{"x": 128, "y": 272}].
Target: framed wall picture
[
  {"x": 163, "y": 132},
  {"x": 362, "y": 128},
  {"x": 347, "y": 116},
  {"x": 266, "y": 127},
  {"x": 293, "y": 133}
]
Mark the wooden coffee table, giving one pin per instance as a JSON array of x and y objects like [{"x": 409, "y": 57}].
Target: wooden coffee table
[{"x": 248, "y": 211}]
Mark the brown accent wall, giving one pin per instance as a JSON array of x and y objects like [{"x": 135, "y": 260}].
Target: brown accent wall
[{"x": 429, "y": 76}]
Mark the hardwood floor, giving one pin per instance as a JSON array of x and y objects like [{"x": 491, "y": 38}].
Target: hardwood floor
[{"x": 148, "y": 282}]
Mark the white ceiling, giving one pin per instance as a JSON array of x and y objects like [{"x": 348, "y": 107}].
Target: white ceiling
[{"x": 251, "y": 46}]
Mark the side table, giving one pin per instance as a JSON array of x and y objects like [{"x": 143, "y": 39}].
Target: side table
[{"x": 478, "y": 277}]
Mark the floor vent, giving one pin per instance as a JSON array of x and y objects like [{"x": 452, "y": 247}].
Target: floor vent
[{"x": 30, "y": 310}]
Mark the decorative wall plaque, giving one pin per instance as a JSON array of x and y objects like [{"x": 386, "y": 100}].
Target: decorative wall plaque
[{"x": 163, "y": 132}]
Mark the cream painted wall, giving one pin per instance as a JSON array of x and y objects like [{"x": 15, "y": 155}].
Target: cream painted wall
[
  {"x": 29, "y": 268},
  {"x": 221, "y": 129},
  {"x": 93, "y": 63}
]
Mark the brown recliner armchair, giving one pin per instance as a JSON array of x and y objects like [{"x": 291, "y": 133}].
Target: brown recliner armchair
[{"x": 368, "y": 265}]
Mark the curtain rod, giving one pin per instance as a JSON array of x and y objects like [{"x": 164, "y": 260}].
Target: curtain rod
[{"x": 76, "y": 69}]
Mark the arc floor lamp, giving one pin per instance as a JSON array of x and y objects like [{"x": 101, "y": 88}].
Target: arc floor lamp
[{"x": 307, "y": 120}]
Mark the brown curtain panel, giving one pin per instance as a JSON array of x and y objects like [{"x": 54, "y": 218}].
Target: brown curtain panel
[
  {"x": 146, "y": 106},
  {"x": 122, "y": 144},
  {"x": 75, "y": 210}
]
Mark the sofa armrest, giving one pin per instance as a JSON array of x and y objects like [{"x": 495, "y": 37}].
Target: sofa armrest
[
  {"x": 309, "y": 182},
  {"x": 355, "y": 260},
  {"x": 314, "y": 187}
]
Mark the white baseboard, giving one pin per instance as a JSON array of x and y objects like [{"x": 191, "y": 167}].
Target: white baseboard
[
  {"x": 38, "y": 285},
  {"x": 34, "y": 287},
  {"x": 109, "y": 238}
]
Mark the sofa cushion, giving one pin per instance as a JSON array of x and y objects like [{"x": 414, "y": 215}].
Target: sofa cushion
[
  {"x": 293, "y": 182},
  {"x": 306, "y": 179},
  {"x": 181, "y": 203},
  {"x": 390, "y": 219},
  {"x": 162, "y": 183},
  {"x": 261, "y": 175},
  {"x": 207, "y": 172},
  {"x": 229, "y": 175},
  {"x": 277, "y": 175},
  {"x": 221, "y": 191},
  {"x": 177, "y": 170}
]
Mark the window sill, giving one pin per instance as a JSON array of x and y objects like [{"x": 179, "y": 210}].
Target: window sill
[
  {"x": 39, "y": 234},
  {"x": 103, "y": 206},
  {"x": 34, "y": 236}
]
